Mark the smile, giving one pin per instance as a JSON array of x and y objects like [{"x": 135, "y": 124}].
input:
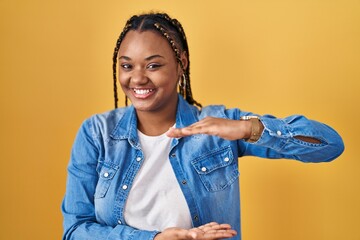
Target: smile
[{"x": 142, "y": 91}]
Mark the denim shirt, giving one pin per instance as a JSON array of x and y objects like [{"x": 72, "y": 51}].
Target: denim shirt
[{"x": 106, "y": 157}]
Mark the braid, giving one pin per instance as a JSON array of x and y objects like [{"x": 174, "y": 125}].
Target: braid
[
  {"x": 189, "y": 96},
  {"x": 159, "y": 22},
  {"x": 185, "y": 89},
  {"x": 116, "y": 50},
  {"x": 171, "y": 41}
]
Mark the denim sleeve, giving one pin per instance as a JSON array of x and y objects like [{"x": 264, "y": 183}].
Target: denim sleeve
[
  {"x": 278, "y": 140},
  {"x": 78, "y": 204}
]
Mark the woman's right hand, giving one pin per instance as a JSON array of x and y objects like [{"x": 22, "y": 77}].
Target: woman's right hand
[{"x": 210, "y": 231}]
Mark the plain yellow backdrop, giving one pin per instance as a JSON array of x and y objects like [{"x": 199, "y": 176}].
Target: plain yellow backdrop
[{"x": 267, "y": 56}]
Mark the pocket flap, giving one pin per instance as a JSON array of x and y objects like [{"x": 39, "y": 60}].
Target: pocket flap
[
  {"x": 107, "y": 173},
  {"x": 213, "y": 160}
]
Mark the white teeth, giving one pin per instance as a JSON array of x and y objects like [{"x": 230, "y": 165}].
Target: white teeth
[{"x": 142, "y": 91}]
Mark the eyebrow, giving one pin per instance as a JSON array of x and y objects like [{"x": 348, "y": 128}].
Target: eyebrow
[
  {"x": 153, "y": 56},
  {"x": 147, "y": 58},
  {"x": 125, "y": 58}
]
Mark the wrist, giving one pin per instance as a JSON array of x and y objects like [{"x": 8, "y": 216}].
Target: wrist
[
  {"x": 245, "y": 129},
  {"x": 254, "y": 129}
]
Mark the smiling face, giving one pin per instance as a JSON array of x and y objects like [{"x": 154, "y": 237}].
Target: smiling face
[{"x": 148, "y": 71}]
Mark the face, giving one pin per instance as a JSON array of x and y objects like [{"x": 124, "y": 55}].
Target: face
[{"x": 148, "y": 71}]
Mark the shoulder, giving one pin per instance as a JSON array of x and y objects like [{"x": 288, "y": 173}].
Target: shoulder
[
  {"x": 104, "y": 122},
  {"x": 219, "y": 111},
  {"x": 109, "y": 116}
]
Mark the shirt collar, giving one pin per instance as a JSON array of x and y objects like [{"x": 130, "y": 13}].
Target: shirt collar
[
  {"x": 186, "y": 114},
  {"x": 126, "y": 128}
]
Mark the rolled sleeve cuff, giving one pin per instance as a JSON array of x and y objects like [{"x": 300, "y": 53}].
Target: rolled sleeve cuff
[
  {"x": 276, "y": 133},
  {"x": 130, "y": 233}
]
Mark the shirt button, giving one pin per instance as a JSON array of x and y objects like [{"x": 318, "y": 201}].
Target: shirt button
[
  {"x": 138, "y": 159},
  {"x": 196, "y": 217},
  {"x": 278, "y": 133},
  {"x": 203, "y": 169},
  {"x": 119, "y": 222},
  {"x": 184, "y": 182},
  {"x": 124, "y": 187},
  {"x": 226, "y": 159},
  {"x": 106, "y": 175},
  {"x": 173, "y": 155}
]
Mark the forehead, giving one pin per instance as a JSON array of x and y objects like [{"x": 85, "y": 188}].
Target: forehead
[{"x": 144, "y": 43}]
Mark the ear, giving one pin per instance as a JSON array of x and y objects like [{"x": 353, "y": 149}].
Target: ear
[{"x": 184, "y": 59}]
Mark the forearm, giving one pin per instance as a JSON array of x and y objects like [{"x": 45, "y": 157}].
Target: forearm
[
  {"x": 299, "y": 138},
  {"x": 253, "y": 128},
  {"x": 78, "y": 210},
  {"x": 78, "y": 206},
  {"x": 95, "y": 231}
]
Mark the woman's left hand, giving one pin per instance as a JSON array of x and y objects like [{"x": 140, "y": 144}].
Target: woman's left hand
[
  {"x": 221, "y": 127},
  {"x": 210, "y": 231}
]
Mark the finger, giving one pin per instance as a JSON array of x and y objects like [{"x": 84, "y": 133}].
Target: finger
[
  {"x": 210, "y": 224},
  {"x": 177, "y": 133},
  {"x": 219, "y": 234},
  {"x": 224, "y": 226},
  {"x": 183, "y": 132},
  {"x": 200, "y": 128},
  {"x": 214, "y": 226},
  {"x": 220, "y": 231},
  {"x": 209, "y": 126}
]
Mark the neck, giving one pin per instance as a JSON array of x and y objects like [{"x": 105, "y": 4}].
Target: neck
[{"x": 156, "y": 123}]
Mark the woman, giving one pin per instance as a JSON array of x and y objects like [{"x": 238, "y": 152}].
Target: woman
[{"x": 163, "y": 168}]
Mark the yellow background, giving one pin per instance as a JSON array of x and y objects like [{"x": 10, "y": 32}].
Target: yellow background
[{"x": 267, "y": 56}]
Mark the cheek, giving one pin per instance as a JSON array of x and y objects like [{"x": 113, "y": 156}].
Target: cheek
[
  {"x": 123, "y": 78},
  {"x": 171, "y": 76},
  {"x": 166, "y": 80}
]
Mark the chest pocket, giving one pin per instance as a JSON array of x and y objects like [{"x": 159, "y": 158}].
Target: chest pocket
[
  {"x": 217, "y": 170},
  {"x": 106, "y": 175}
]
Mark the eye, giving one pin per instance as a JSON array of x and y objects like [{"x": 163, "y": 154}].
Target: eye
[
  {"x": 126, "y": 66},
  {"x": 153, "y": 66}
]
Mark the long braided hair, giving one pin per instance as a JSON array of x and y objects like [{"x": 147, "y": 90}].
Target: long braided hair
[{"x": 170, "y": 29}]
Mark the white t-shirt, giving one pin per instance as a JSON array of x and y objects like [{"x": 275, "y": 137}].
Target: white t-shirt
[{"x": 155, "y": 201}]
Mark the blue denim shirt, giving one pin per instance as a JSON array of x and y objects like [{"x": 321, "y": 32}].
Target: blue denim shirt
[{"x": 106, "y": 157}]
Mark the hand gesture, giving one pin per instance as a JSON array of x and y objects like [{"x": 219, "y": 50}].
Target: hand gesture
[
  {"x": 210, "y": 231},
  {"x": 221, "y": 127}
]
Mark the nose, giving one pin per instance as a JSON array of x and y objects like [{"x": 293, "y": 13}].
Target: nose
[{"x": 139, "y": 77}]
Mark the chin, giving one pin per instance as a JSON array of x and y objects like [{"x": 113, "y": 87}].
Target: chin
[{"x": 143, "y": 107}]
